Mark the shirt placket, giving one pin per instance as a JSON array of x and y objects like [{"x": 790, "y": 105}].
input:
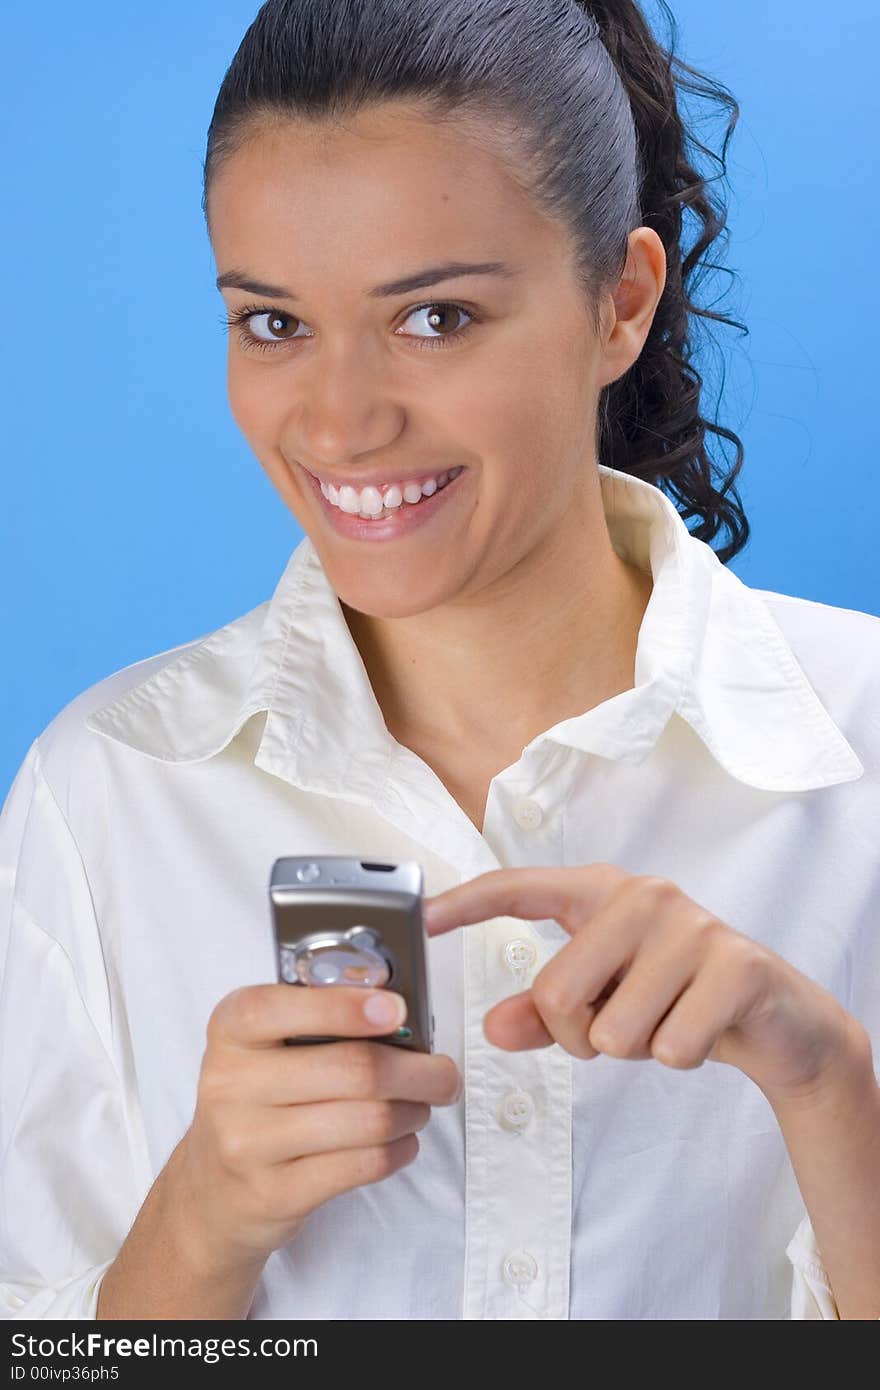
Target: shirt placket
[{"x": 517, "y": 1104}]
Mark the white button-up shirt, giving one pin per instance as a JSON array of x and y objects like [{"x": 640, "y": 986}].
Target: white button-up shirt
[{"x": 135, "y": 850}]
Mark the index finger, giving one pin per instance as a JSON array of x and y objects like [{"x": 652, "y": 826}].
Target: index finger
[
  {"x": 570, "y": 895},
  {"x": 264, "y": 1015}
]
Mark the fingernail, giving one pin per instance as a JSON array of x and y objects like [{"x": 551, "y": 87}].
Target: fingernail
[{"x": 386, "y": 1007}]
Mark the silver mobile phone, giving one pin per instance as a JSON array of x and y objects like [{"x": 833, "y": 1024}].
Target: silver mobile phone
[{"x": 343, "y": 921}]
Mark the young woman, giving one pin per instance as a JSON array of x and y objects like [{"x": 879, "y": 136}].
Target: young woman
[{"x": 449, "y": 240}]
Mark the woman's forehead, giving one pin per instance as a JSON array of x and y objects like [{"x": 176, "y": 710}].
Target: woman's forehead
[{"x": 410, "y": 197}]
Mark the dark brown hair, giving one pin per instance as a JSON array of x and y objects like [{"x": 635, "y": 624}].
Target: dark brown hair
[{"x": 583, "y": 102}]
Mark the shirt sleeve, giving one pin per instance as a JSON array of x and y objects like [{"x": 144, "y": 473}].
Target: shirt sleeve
[
  {"x": 71, "y": 1167},
  {"x": 811, "y": 1294}
]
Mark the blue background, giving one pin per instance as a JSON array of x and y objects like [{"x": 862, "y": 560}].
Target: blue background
[{"x": 135, "y": 517}]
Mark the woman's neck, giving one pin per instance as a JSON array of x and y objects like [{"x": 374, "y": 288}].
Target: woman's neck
[{"x": 541, "y": 645}]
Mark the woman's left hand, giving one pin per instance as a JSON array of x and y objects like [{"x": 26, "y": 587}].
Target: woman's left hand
[{"x": 648, "y": 972}]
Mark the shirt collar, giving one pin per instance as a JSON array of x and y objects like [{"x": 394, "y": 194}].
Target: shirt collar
[{"x": 708, "y": 651}]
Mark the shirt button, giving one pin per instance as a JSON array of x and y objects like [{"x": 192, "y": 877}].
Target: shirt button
[
  {"x": 519, "y": 955},
  {"x": 517, "y": 1110},
  {"x": 519, "y": 1268},
  {"x": 527, "y": 813}
]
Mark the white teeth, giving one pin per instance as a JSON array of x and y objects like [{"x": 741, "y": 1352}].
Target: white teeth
[{"x": 369, "y": 502}]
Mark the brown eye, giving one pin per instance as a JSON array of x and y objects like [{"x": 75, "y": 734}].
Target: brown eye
[
  {"x": 276, "y": 324},
  {"x": 444, "y": 320}
]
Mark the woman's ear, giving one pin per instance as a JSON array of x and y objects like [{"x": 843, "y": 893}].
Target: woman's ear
[{"x": 629, "y": 309}]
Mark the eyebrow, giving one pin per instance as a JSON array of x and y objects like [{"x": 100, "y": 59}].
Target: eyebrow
[{"x": 421, "y": 279}]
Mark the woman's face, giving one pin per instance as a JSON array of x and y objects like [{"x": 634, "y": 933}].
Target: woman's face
[{"x": 357, "y": 387}]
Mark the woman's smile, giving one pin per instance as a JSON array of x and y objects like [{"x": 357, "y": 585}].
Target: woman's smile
[{"x": 402, "y": 520}]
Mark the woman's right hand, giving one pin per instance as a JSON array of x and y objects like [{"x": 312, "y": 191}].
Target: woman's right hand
[{"x": 278, "y": 1130}]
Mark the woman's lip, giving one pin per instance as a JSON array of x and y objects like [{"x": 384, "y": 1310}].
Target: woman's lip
[
  {"x": 389, "y": 482},
  {"x": 403, "y": 520}
]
